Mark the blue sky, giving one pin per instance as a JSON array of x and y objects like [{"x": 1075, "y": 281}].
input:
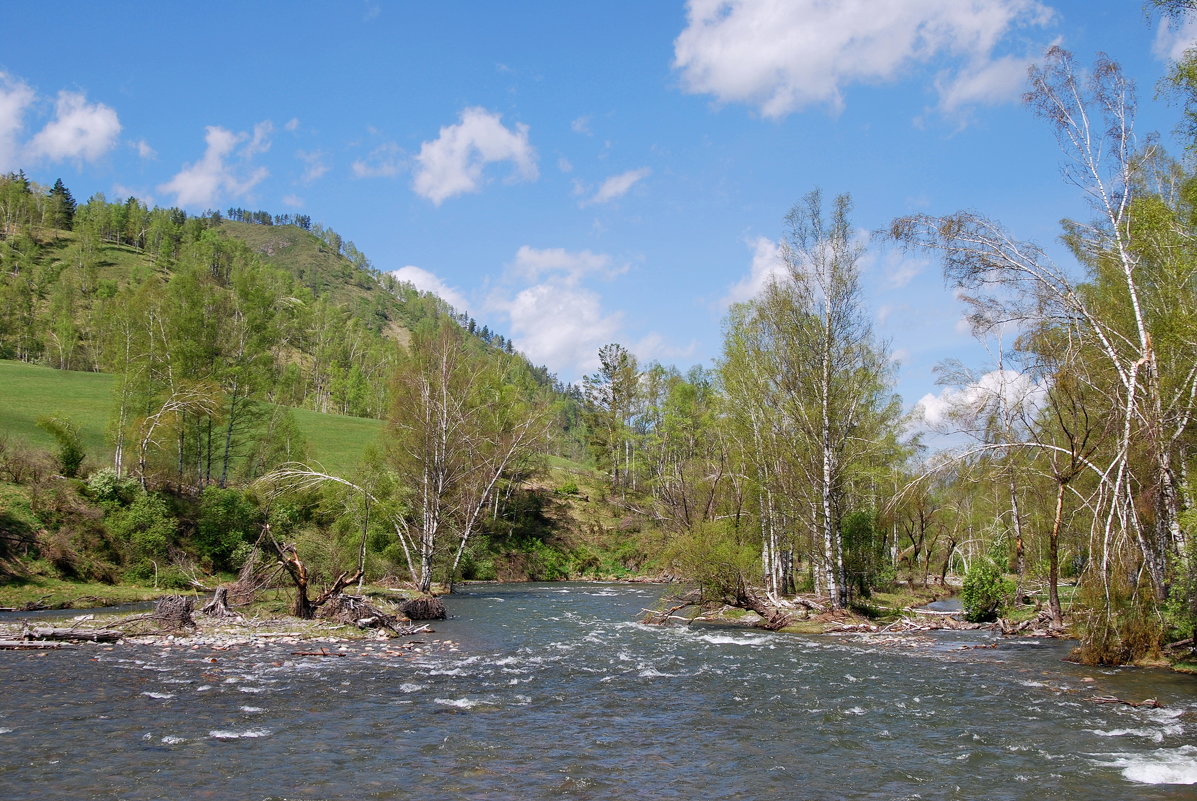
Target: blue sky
[{"x": 573, "y": 174}]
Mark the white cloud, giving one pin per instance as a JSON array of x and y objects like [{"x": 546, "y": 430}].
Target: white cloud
[
  {"x": 291, "y": 125},
  {"x": 121, "y": 193},
  {"x": 564, "y": 165},
  {"x": 653, "y": 347},
  {"x": 785, "y": 55},
  {"x": 559, "y": 325},
  {"x": 260, "y": 143},
  {"x": 79, "y": 130},
  {"x": 964, "y": 406},
  {"x": 425, "y": 281},
  {"x": 144, "y": 150},
  {"x": 768, "y": 265},
  {"x": 569, "y": 266},
  {"x": 206, "y": 181},
  {"x": 15, "y": 97},
  {"x": 618, "y": 185},
  {"x": 294, "y": 201},
  {"x": 1173, "y": 39},
  {"x": 314, "y": 166},
  {"x": 452, "y": 164},
  {"x": 581, "y": 125},
  {"x": 901, "y": 270},
  {"x": 985, "y": 83},
  {"x": 384, "y": 161},
  {"x": 558, "y": 321}
]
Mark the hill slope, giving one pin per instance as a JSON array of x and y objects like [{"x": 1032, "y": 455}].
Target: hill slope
[{"x": 28, "y": 392}]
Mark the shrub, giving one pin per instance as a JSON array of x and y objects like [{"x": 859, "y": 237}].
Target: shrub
[
  {"x": 227, "y": 520},
  {"x": 985, "y": 591},
  {"x": 146, "y": 526},
  {"x": 105, "y": 486},
  {"x": 70, "y": 444}
]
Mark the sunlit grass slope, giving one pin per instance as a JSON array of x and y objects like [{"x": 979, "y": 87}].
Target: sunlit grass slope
[{"x": 28, "y": 392}]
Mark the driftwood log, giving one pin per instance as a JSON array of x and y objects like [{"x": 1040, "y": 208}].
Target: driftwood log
[{"x": 73, "y": 635}]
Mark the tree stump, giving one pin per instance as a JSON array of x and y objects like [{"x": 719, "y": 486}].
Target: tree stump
[
  {"x": 219, "y": 605},
  {"x": 426, "y": 607}
]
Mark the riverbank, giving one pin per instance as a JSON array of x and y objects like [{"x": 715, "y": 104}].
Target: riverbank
[{"x": 35, "y": 593}]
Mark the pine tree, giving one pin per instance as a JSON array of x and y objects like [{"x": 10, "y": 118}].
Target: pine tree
[{"x": 62, "y": 206}]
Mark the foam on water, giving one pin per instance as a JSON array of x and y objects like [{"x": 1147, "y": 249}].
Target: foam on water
[
  {"x": 248, "y": 734},
  {"x": 161, "y": 696},
  {"x": 408, "y": 687},
  {"x": 251, "y": 710},
  {"x": 732, "y": 639},
  {"x": 1162, "y": 766},
  {"x": 170, "y": 739},
  {"x": 460, "y": 703}
]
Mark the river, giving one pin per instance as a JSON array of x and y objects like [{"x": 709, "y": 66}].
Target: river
[{"x": 545, "y": 691}]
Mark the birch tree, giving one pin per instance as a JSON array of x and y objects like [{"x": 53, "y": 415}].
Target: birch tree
[
  {"x": 1122, "y": 307},
  {"x": 810, "y": 348}
]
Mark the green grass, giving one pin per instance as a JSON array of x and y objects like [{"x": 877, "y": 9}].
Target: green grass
[
  {"x": 29, "y": 391},
  {"x": 55, "y": 593},
  {"x": 337, "y": 442}
]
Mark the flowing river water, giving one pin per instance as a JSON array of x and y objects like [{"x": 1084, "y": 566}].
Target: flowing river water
[{"x": 554, "y": 691}]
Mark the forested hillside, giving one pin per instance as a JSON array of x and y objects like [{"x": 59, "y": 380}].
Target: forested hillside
[{"x": 218, "y": 332}]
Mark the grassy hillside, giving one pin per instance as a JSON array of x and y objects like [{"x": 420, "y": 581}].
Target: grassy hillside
[
  {"x": 27, "y": 392},
  {"x": 327, "y": 274}
]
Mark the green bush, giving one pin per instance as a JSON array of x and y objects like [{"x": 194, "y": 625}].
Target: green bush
[
  {"x": 105, "y": 486},
  {"x": 227, "y": 520},
  {"x": 714, "y": 556},
  {"x": 986, "y": 592},
  {"x": 70, "y": 444},
  {"x": 145, "y": 527}
]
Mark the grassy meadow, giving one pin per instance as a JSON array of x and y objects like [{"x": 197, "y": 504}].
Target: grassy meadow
[{"x": 28, "y": 392}]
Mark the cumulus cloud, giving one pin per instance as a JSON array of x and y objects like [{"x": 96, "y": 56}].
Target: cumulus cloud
[
  {"x": 768, "y": 265},
  {"x": 1173, "y": 37},
  {"x": 15, "y": 98},
  {"x": 963, "y": 406},
  {"x": 784, "y": 55},
  {"x": 560, "y": 325},
  {"x": 79, "y": 130},
  {"x": 453, "y": 163},
  {"x": 425, "y": 281},
  {"x": 619, "y": 185},
  {"x": 143, "y": 149},
  {"x": 206, "y": 181}
]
